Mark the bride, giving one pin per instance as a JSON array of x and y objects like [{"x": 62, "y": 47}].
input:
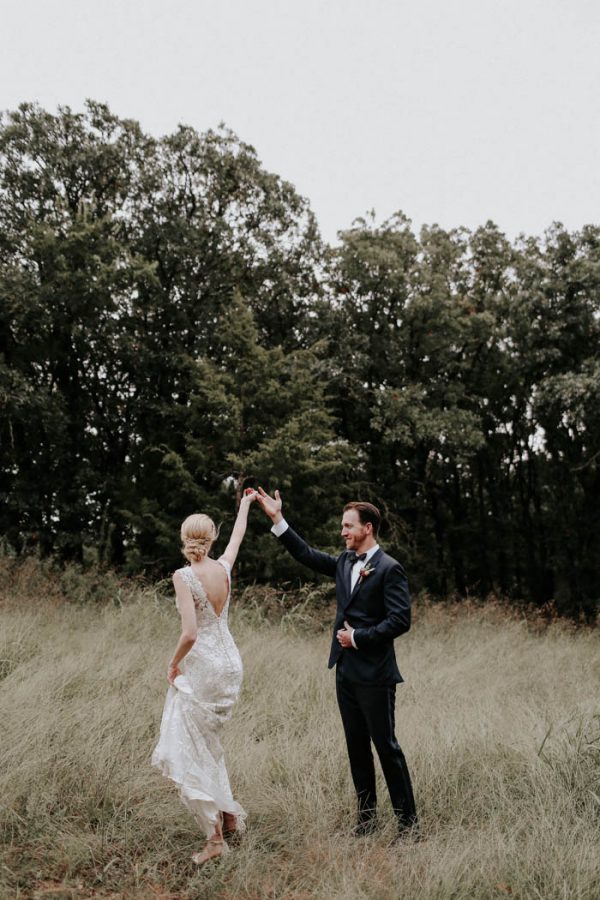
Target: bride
[{"x": 205, "y": 676}]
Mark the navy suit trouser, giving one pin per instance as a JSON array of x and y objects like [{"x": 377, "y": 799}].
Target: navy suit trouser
[{"x": 368, "y": 715}]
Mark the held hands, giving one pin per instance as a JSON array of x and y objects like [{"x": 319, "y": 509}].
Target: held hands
[
  {"x": 344, "y": 635},
  {"x": 248, "y": 497}
]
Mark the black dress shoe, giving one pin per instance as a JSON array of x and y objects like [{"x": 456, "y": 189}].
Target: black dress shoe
[{"x": 365, "y": 827}]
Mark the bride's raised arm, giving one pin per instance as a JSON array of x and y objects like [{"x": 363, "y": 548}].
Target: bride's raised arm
[{"x": 239, "y": 528}]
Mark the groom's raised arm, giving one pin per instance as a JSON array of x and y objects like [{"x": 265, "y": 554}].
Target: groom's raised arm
[
  {"x": 304, "y": 553},
  {"x": 293, "y": 543}
]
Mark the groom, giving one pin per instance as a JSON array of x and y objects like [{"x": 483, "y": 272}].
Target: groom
[{"x": 373, "y": 608}]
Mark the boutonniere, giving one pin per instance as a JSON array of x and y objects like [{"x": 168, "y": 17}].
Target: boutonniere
[{"x": 366, "y": 571}]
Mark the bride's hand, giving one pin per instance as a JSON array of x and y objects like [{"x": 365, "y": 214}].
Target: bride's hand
[
  {"x": 249, "y": 496},
  {"x": 172, "y": 673}
]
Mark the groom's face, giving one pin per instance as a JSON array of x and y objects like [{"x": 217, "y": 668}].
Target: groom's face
[{"x": 353, "y": 531}]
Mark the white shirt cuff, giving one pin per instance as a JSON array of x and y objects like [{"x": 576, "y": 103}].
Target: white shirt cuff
[
  {"x": 352, "y": 638},
  {"x": 280, "y": 528}
]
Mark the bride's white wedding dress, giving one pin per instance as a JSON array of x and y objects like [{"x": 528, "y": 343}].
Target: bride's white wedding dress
[{"x": 189, "y": 749}]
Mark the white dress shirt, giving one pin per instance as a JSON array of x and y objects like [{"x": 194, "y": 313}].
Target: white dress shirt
[{"x": 355, "y": 572}]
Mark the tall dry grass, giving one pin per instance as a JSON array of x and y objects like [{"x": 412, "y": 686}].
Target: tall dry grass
[{"x": 500, "y": 722}]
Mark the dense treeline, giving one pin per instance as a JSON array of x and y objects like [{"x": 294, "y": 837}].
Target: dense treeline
[{"x": 173, "y": 328}]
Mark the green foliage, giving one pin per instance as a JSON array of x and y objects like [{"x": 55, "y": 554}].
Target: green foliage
[
  {"x": 466, "y": 373},
  {"x": 172, "y": 329},
  {"x": 130, "y": 385}
]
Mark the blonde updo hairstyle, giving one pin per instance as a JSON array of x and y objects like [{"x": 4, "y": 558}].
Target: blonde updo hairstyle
[{"x": 198, "y": 534}]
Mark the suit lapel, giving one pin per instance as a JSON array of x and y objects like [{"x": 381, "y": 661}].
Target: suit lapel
[
  {"x": 372, "y": 562},
  {"x": 347, "y": 577}
]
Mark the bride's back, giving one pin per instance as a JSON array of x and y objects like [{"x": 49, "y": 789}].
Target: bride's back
[{"x": 214, "y": 580}]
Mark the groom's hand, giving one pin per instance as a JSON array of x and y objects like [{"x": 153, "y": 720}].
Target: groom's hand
[
  {"x": 271, "y": 505},
  {"x": 344, "y": 635}
]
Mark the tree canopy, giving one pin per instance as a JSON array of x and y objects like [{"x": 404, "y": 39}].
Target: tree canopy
[{"x": 172, "y": 328}]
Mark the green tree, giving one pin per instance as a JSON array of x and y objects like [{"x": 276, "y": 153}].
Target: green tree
[
  {"x": 65, "y": 279},
  {"x": 253, "y": 415},
  {"x": 120, "y": 258}
]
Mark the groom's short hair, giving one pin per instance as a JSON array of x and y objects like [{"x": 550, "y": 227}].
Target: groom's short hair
[{"x": 366, "y": 513}]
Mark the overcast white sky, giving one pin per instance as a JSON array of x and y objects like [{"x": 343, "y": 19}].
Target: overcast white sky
[{"x": 455, "y": 111}]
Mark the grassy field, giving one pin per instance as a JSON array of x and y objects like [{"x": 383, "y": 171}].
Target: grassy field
[{"x": 499, "y": 719}]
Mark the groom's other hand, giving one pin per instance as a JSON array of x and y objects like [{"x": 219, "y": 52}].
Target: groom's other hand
[
  {"x": 344, "y": 635},
  {"x": 271, "y": 505}
]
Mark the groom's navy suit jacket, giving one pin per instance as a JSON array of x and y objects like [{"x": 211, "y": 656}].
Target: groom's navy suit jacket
[{"x": 378, "y": 609}]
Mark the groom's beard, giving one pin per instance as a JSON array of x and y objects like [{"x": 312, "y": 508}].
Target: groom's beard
[{"x": 353, "y": 543}]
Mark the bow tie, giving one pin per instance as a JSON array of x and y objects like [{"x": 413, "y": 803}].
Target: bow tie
[{"x": 356, "y": 557}]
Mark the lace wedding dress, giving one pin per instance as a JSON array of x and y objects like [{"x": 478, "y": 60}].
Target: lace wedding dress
[{"x": 189, "y": 750}]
